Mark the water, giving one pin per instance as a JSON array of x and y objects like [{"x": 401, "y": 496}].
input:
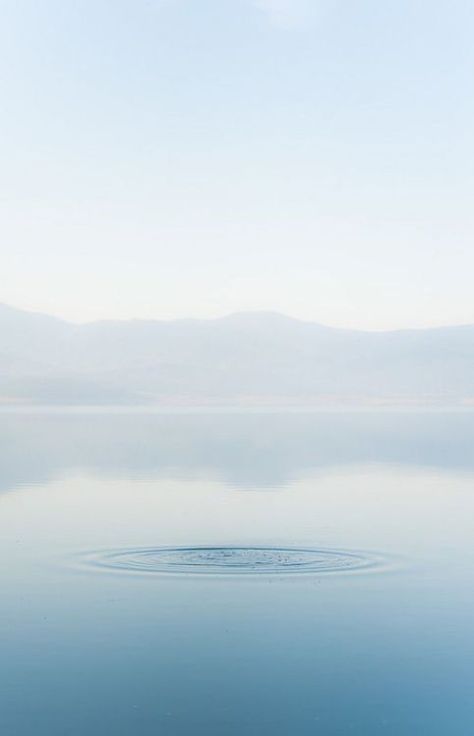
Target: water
[
  {"x": 233, "y": 560},
  {"x": 236, "y": 573}
]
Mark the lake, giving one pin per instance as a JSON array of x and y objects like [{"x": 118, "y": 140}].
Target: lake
[{"x": 236, "y": 573}]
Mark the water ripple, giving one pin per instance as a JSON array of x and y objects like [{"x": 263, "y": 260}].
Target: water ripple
[{"x": 234, "y": 560}]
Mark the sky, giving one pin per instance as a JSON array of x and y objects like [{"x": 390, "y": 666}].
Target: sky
[{"x": 192, "y": 158}]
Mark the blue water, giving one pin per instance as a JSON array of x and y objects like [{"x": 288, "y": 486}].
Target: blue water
[{"x": 236, "y": 573}]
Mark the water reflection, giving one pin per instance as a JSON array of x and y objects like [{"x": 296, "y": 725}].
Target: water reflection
[{"x": 244, "y": 450}]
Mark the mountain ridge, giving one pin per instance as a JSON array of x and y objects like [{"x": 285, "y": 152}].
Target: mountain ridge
[
  {"x": 243, "y": 358},
  {"x": 244, "y": 315}
]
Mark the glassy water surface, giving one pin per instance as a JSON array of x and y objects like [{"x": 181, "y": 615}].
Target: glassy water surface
[{"x": 236, "y": 573}]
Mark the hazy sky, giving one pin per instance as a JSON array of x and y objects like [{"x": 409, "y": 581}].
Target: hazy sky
[{"x": 168, "y": 158}]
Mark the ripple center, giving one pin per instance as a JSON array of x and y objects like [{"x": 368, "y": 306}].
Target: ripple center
[{"x": 227, "y": 560}]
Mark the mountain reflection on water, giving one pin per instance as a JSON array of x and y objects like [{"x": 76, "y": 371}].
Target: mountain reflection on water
[{"x": 243, "y": 449}]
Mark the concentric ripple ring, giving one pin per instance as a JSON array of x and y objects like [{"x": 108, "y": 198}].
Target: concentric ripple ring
[{"x": 226, "y": 560}]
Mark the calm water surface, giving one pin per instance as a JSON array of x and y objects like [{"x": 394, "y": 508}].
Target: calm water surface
[{"x": 236, "y": 573}]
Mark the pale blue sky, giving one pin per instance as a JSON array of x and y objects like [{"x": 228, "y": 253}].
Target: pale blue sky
[{"x": 170, "y": 158}]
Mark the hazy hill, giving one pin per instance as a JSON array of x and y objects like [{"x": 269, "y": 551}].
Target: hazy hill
[{"x": 244, "y": 358}]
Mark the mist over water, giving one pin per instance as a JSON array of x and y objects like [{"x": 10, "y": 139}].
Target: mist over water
[{"x": 236, "y": 573}]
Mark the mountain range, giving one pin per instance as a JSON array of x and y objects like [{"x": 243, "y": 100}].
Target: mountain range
[{"x": 250, "y": 358}]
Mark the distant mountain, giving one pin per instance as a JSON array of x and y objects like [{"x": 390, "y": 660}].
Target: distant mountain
[{"x": 249, "y": 358}]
